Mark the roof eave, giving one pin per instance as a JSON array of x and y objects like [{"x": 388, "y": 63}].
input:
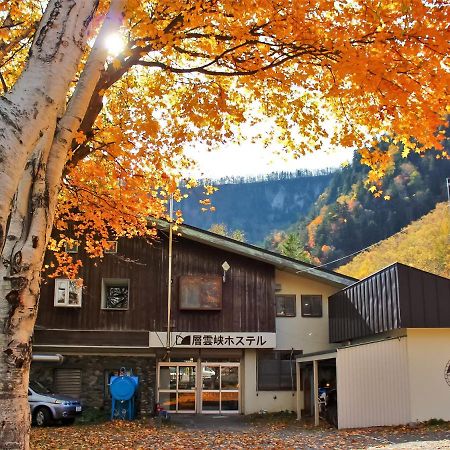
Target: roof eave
[{"x": 278, "y": 261}]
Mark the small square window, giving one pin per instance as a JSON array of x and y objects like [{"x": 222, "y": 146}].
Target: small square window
[
  {"x": 115, "y": 293},
  {"x": 285, "y": 305},
  {"x": 111, "y": 247},
  {"x": 311, "y": 306},
  {"x": 71, "y": 247},
  {"x": 67, "y": 293}
]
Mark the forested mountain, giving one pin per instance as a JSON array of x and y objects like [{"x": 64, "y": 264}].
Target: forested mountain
[
  {"x": 423, "y": 244},
  {"x": 256, "y": 206},
  {"x": 347, "y": 217}
]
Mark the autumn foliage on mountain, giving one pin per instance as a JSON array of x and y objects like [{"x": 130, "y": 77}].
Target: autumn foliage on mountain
[
  {"x": 347, "y": 217},
  {"x": 423, "y": 244}
]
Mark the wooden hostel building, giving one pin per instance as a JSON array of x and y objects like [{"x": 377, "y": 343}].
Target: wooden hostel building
[{"x": 210, "y": 325}]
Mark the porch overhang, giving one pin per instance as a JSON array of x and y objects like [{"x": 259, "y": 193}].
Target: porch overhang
[{"x": 314, "y": 358}]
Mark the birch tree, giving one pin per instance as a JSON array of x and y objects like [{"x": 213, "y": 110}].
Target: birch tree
[{"x": 95, "y": 138}]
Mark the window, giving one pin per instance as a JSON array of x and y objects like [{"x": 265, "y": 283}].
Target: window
[
  {"x": 311, "y": 306},
  {"x": 115, "y": 293},
  {"x": 276, "y": 370},
  {"x": 200, "y": 292},
  {"x": 111, "y": 247},
  {"x": 67, "y": 293},
  {"x": 67, "y": 382},
  {"x": 285, "y": 305},
  {"x": 71, "y": 247}
]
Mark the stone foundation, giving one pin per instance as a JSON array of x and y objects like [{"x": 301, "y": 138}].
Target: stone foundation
[{"x": 95, "y": 371}]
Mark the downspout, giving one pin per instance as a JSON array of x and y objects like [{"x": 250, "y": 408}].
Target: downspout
[{"x": 169, "y": 278}]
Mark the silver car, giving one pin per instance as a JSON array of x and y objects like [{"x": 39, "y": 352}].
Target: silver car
[{"x": 47, "y": 407}]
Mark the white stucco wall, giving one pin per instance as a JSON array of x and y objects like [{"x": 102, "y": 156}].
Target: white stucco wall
[
  {"x": 309, "y": 334},
  {"x": 270, "y": 401},
  {"x": 428, "y": 355}
]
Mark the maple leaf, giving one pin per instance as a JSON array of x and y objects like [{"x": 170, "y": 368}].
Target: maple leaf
[
  {"x": 80, "y": 137},
  {"x": 405, "y": 152}
]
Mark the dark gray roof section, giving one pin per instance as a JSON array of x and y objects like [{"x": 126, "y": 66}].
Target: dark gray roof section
[
  {"x": 278, "y": 261},
  {"x": 398, "y": 296}
]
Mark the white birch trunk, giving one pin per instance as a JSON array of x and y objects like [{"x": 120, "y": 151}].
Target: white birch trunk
[
  {"x": 20, "y": 281},
  {"x": 27, "y": 234},
  {"x": 41, "y": 90}
]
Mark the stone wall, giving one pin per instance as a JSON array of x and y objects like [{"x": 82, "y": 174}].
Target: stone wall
[{"x": 95, "y": 371}]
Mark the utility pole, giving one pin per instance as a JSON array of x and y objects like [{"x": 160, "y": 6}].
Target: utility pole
[
  {"x": 448, "y": 201},
  {"x": 169, "y": 277}
]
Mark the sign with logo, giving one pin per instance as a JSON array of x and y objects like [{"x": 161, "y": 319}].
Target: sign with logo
[{"x": 186, "y": 339}]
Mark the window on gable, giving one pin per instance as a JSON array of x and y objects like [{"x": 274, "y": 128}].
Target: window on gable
[
  {"x": 67, "y": 293},
  {"x": 111, "y": 247},
  {"x": 71, "y": 247},
  {"x": 200, "y": 292},
  {"x": 115, "y": 293},
  {"x": 285, "y": 305},
  {"x": 311, "y": 306}
]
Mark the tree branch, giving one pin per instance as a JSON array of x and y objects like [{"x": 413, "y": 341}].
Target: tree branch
[{"x": 4, "y": 85}]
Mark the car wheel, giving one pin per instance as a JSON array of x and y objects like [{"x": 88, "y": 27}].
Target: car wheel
[
  {"x": 69, "y": 421},
  {"x": 42, "y": 417}
]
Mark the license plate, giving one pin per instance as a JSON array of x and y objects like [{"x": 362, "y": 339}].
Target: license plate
[{"x": 78, "y": 409}]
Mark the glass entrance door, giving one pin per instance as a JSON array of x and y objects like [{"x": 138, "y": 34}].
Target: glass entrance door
[
  {"x": 177, "y": 387},
  {"x": 220, "y": 388}
]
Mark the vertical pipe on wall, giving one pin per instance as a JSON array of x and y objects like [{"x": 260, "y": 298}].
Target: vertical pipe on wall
[
  {"x": 298, "y": 378},
  {"x": 316, "y": 391}
]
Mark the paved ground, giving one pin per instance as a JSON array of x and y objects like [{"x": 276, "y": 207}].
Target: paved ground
[
  {"x": 210, "y": 422},
  {"x": 235, "y": 432},
  {"x": 387, "y": 437}
]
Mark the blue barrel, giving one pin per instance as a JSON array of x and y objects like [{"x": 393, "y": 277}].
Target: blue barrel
[{"x": 123, "y": 388}]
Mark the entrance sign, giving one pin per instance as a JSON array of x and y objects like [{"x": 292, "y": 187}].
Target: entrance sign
[{"x": 190, "y": 339}]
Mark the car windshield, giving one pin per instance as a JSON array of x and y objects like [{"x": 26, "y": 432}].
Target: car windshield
[{"x": 39, "y": 388}]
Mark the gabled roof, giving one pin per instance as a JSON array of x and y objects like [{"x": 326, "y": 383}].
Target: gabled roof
[{"x": 250, "y": 251}]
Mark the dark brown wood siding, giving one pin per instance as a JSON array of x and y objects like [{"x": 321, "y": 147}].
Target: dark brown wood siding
[
  {"x": 248, "y": 301},
  {"x": 396, "y": 297},
  {"x": 91, "y": 338},
  {"x": 248, "y": 292}
]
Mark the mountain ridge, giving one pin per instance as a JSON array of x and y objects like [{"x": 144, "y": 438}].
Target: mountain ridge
[{"x": 256, "y": 207}]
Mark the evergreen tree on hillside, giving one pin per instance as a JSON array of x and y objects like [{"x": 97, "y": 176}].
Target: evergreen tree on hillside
[{"x": 293, "y": 248}]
